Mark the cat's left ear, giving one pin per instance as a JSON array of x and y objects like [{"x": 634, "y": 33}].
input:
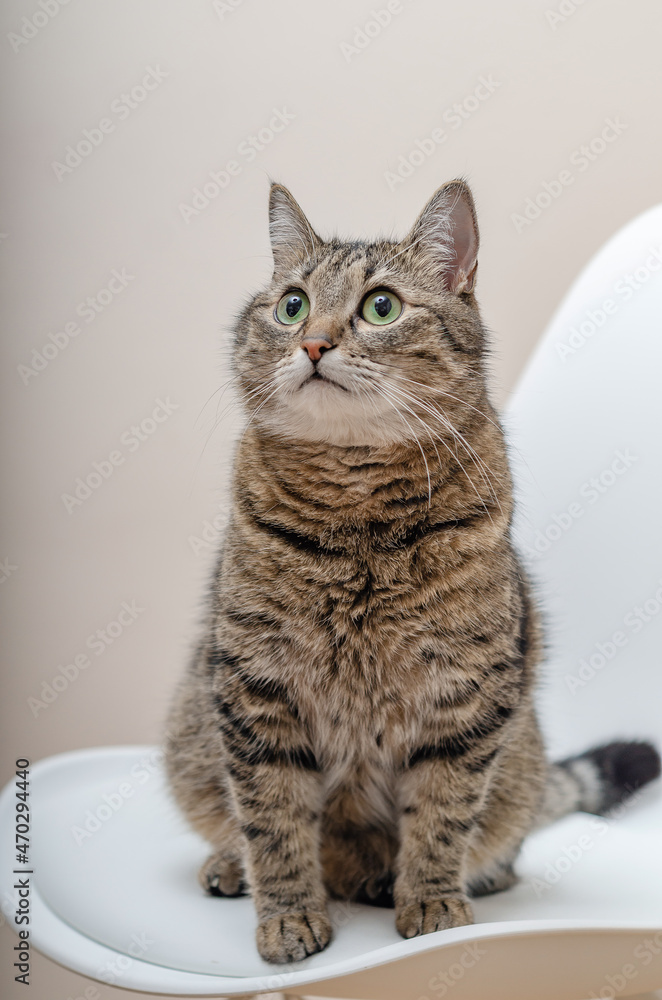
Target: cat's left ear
[
  {"x": 293, "y": 239},
  {"x": 446, "y": 234}
]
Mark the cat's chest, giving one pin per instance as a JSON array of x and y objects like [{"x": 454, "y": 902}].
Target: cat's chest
[
  {"x": 367, "y": 711},
  {"x": 355, "y": 747}
]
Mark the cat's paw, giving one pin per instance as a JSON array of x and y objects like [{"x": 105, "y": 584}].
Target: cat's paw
[
  {"x": 293, "y": 936},
  {"x": 376, "y": 891},
  {"x": 426, "y": 916},
  {"x": 223, "y": 875}
]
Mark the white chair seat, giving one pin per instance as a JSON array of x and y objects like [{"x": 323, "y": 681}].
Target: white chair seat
[{"x": 115, "y": 895}]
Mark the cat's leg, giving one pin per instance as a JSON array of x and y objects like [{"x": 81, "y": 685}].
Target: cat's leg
[
  {"x": 276, "y": 792},
  {"x": 458, "y": 835},
  {"x": 223, "y": 873},
  {"x": 510, "y": 810},
  {"x": 449, "y": 783},
  {"x": 206, "y": 805},
  {"x": 440, "y": 801},
  {"x": 278, "y": 805},
  {"x": 460, "y": 790},
  {"x": 191, "y": 747}
]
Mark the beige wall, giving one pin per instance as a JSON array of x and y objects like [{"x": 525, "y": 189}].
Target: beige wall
[{"x": 217, "y": 78}]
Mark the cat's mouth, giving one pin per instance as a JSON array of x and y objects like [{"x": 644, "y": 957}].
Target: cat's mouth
[{"x": 317, "y": 376}]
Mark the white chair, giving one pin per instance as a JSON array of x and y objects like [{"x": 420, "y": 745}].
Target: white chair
[{"x": 114, "y": 891}]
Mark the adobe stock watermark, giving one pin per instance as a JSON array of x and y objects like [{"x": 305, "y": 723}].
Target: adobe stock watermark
[
  {"x": 33, "y": 23},
  {"x": 618, "y": 981},
  {"x": 453, "y": 118},
  {"x": 559, "y": 15},
  {"x": 87, "y": 310},
  {"x": 571, "y": 855},
  {"x": 606, "y": 651},
  {"x": 443, "y": 981},
  {"x": 131, "y": 439},
  {"x": 111, "y": 802},
  {"x": 247, "y": 152},
  {"x": 590, "y": 493},
  {"x": 211, "y": 533},
  {"x": 97, "y": 643},
  {"x": 580, "y": 160},
  {"x": 89, "y": 993},
  {"x": 597, "y": 318},
  {"x": 112, "y": 971},
  {"x": 8, "y": 906},
  {"x": 364, "y": 34},
  {"x": 7, "y": 569},
  {"x": 223, "y": 7},
  {"x": 120, "y": 109}
]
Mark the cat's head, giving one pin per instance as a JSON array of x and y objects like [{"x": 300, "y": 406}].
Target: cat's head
[{"x": 365, "y": 343}]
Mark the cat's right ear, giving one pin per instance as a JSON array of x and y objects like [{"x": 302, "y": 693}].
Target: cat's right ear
[
  {"x": 293, "y": 239},
  {"x": 445, "y": 237}
]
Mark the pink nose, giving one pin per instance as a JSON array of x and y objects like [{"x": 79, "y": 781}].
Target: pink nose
[{"x": 314, "y": 348}]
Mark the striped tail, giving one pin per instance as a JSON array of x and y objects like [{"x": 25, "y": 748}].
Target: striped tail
[{"x": 599, "y": 779}]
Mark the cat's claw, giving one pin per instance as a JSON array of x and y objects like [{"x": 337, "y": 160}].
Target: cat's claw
[
  {"x": 223, "y": 875},
  {"x": 427, "y": 916},
  {"x": 292, "y": 937},
  {"x": 377, "y": 891}
]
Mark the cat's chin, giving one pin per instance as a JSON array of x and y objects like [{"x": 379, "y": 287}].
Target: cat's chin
[{"x": 344, "y": 423}]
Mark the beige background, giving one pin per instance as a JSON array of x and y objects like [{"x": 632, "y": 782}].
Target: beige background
[{"x": 223, "y": 69}]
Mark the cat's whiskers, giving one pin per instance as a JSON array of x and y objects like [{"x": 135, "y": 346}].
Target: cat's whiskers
[
  {"x": 222, "y": 388},
  {"x": 439, "y": 392},
  {"x": 235, "y": 403},
  {"x": 253, "y": 415},
  {"x": 482, "y": 466},
  {"x": 395, "y": 398},
  {"x": 396, "y": 393},
  {"x": 269, "y": 382},
  {"x": 457, "y": 399},
  {"x": 363, "y": 394},
  {"x": 381, "y": 391},
  {"x": 484, "y": 470},
  {"x": 432, "y": 434},
  {"x": 487, "y": 483}
]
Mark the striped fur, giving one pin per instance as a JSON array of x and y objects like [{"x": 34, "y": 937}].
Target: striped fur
[{"x": 358, "y": 720}]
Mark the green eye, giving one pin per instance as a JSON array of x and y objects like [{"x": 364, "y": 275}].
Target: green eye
[
  {"x": 381, "y": 307},
  {"x": 292, "y": 308}
]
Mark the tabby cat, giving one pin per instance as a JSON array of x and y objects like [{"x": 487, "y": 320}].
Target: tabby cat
[{"x": 358, "y": 720}]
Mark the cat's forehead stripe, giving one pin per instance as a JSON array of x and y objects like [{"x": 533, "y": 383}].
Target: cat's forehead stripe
[
  {"x": 361, "y": 260},
  {"x": 347, "y": 255}
]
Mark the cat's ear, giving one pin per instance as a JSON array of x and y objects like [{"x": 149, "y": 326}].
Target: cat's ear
[
  {"x": 293, "y": 239},
  {"x": 446, "y": 236}
]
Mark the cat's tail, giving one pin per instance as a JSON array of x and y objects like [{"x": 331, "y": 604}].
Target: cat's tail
[{"x": 599, "y": 779}]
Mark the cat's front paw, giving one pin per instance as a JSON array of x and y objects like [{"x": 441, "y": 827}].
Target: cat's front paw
[
  {"x": 426, "y": 916},
  {"x": 293, "y": 936},
  {"x": 223, "y": 875}
]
